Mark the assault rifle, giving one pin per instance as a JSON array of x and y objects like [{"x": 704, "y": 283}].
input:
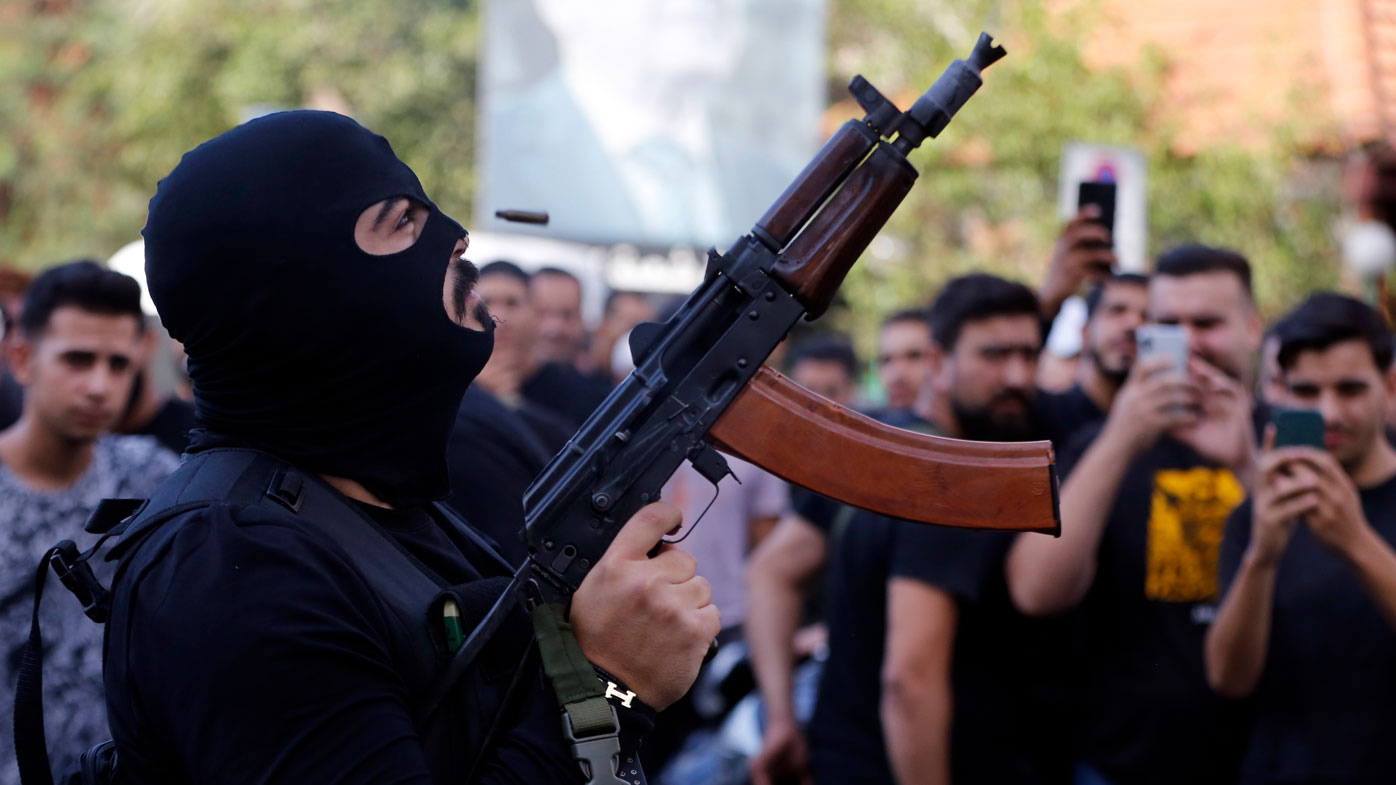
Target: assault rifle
[{"x": 699, "y": 384}]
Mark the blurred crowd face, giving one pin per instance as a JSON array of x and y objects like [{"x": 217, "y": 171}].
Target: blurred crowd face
[
  {"x": 1344, "y": 384},
  {"x": 903, "y": 364},
  {"x": 989, "y": 377},
  {"x": 558, "y": 302},
  {"x": 1222, "y": 324},
  {"x": 508, "y": 302},
  {"x": 1109, "y": 335},
  {"x": 825, "y": 377},
  {"x": 77, "y": 373}
]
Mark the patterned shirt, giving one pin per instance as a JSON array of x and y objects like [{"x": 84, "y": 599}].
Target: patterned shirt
[{"x": 31, "y": 522}]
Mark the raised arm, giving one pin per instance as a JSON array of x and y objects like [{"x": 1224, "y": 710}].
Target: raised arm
[
  {"x": 780, "y": 570},
  {"x": 1047, "y": 575}
]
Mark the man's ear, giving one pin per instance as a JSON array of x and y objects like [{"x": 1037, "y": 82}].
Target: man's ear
[
  {"x": 20, "y": 353},
  {"x": 937, "y": 358}
]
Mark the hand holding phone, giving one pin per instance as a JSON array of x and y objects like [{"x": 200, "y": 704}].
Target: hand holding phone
[{"x": 1102, "y": 195}]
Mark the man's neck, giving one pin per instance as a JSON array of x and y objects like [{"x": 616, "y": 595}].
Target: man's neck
[
  {"x": 1378, "y": 466},
  {"x": 42, "y": 459},
  {"x": 355, "y": 490},
  {"x": 1098, "y": 387},
  {"x": 935, "y": 409}
]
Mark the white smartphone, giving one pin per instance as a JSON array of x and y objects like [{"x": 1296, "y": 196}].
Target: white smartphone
[{"x": 1166, "y": 340}]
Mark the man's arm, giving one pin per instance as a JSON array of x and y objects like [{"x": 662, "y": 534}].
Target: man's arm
[
  {"x": 1082, "y": 251},
  {"x": 1239, "y": 639},
  {"x": 1049, "y": 575},
  {"x": 780, "y": 569},
  {"x": 917, "y": 701},
  {"x": 1339, "y": 522}
]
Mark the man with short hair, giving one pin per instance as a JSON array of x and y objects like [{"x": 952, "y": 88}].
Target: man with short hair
[
  {"x": 1143, "y": 504},
  {"x": 903, "y": 352},
  {"x": 1308, "y": 624},
  {"x": 1114, "y": 309},
  {"x": 827, "y": 365},
  {"x": 515, "y": 372},
  {"x": 557, "y": 302},
  {"x": 75, "y": 355},
  {"x": 919, "y": 619}
]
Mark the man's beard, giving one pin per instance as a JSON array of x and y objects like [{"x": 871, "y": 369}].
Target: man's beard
[
  {"x": 1114, "y": 376},
  {"x": 467, "y": 274},
  {"x": 977, "y": 424}
]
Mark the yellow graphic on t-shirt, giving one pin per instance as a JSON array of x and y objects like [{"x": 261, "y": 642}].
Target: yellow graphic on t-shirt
[{"x": 1186, "y": 519}]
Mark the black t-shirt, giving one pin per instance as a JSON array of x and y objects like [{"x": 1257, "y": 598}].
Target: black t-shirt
[
  {"x": 1148, "y": 715},
  {"x": 1003, "y": 731},
  {"x": 1325, "y": 707},
  {"x": 251, "y": 651},
  {"x": 171, "y": 425},
  {"x": 1067, "y": 413},
  {"x": 563, "y": 389},
  {"x": 493, "y": 456}
]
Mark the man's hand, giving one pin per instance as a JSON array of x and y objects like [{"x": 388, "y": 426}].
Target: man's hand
[
  {"x": 648, "y": 621},
  {"x": 1223, "y": 432},
  {"x": 1082, "y": 251},
  {"x": 1336, "y": 518},
  {"x": 1280, "y": 498},
  {"x": 783, "y": 757},
  {"x": 1152, "y": 401}
]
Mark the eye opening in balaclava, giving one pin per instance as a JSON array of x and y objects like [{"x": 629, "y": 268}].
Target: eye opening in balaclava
[
  {"x": 299, "y": 341},
  {"x": 378, "y": 231}
]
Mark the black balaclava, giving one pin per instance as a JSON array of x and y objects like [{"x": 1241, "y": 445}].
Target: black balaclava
[{"x": 299, "y": 342}]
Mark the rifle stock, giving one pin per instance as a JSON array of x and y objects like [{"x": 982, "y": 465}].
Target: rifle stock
[{"x": 815, "y": 443}]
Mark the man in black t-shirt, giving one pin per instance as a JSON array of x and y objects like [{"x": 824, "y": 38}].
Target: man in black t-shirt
[
  {"x": 543, "y": 393},
  {"x": 919, "y": 619},
  {"x": 1114, "y": 309},
  {"x": 1143, "y": 504},
  {"x": 1308, "y": 626}
]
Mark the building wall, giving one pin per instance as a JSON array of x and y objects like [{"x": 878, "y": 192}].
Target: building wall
[{"x": 1243, "y": 70}]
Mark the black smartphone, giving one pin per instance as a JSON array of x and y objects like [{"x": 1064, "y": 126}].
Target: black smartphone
[
  {"x": 1297, "y": 428},
  {"x": 1101, "y": 195}
]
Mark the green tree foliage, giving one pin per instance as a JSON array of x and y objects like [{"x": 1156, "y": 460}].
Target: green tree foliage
[
  {"x": 98, "y": 98},
  {"x": 987, "y": 199}
]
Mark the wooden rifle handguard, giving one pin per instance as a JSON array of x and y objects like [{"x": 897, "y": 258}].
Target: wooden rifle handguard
[{"x": 813, "y": 442}]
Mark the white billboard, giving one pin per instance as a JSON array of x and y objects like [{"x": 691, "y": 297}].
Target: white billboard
[
  {"x": 1128, "y": 169},
  {"x": 649, "y": 122}
]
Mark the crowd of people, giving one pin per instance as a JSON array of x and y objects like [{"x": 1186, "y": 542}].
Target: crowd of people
[{"x": 1218, "y": 607}]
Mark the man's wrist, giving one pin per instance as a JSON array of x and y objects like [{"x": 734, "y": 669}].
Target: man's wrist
[
  {"x": 1256, "y": 561},
  {"x": 620, "y": 695}
]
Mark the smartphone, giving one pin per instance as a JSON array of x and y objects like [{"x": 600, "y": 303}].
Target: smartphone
[
  {"x": 1297, "y": 428},
  {"x": 1101, "y": 195},
  {"x": 1166, "y": 340}
]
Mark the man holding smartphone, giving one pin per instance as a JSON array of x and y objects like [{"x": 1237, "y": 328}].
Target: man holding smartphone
[
  {"x": 1308, "y": 626},
  {"x": 1144, "y": 504}
]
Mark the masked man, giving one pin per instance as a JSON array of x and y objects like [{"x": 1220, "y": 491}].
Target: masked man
[{"x": 331, "y": 323}]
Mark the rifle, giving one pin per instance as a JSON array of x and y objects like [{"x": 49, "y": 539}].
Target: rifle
[{"x": 699, "y": 384}]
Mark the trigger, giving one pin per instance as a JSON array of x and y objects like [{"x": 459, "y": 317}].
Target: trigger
[{"x": 710, "y": 463}]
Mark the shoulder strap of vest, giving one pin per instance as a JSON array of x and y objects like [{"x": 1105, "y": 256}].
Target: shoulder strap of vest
[{"x": 250, "y": 477}]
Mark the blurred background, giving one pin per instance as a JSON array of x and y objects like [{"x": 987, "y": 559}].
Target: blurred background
[{"x": 1248, "y": 123}]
